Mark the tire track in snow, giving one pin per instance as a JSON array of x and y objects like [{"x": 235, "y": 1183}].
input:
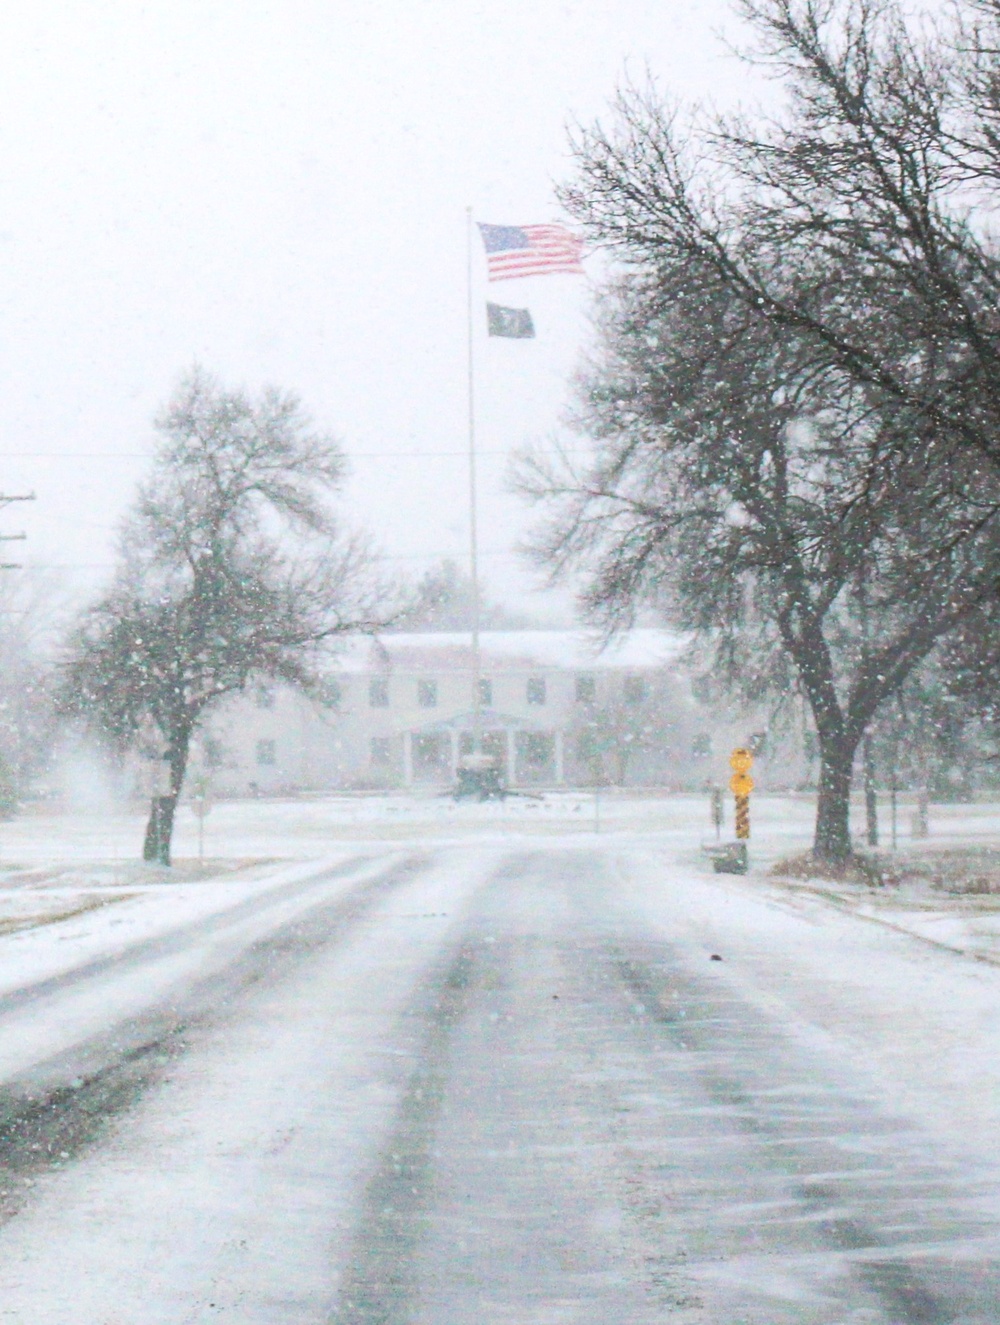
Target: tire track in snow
[
  {"x": 175, "y": 940},
  {"x": 380, "y": 1276},
  {"x": 477, "y": 1208},
  {"x": 598, "y": 1130},
  {"x": 807, "y": 1191},
  {"x": 68, "y": 1102},
  {"x": 377, "y": 1285}
]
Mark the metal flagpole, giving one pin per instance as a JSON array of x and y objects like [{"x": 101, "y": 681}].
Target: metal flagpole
[{"x": 477, "y": 716}]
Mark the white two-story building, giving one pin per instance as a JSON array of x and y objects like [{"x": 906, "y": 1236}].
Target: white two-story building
[{"x": 555, "y": 709}]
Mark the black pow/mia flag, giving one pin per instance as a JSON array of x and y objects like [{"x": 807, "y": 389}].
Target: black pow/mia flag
[{"x": 515, "y": 323}]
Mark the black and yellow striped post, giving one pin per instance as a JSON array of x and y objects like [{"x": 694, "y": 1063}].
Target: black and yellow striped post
[
  {"x": 741, "y": 785},
  {"x": 743, "y": 817}
]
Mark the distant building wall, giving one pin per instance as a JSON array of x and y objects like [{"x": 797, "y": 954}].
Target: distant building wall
[{"x": 401, "y": 714}]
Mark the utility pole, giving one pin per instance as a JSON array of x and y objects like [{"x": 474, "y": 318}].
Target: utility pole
[{"x": 6, "y": 500}]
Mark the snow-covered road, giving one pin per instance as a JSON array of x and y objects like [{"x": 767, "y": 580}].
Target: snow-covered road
[{"x": 458, "y": 1084}]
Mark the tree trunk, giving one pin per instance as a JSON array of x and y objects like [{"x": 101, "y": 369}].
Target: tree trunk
[
  {"x": 159, "y": 830},
  {"x": 921, "y": 824},
  {"x": 833, "y": 833},
  {"x": 160, "y": 827},
  {"x": 871, "y": 795}
]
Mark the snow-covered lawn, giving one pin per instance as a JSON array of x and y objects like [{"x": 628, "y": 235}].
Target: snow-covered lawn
[
  {"x": 77, "y": 874},
  {"x": 293, "y": 828}
]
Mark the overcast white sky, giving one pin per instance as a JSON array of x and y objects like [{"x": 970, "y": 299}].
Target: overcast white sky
[{"x": 279, "y": 191}]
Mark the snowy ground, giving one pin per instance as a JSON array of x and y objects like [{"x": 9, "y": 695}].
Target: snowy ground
[
  {"x": 296, "y": 828},
  {"x": 380, "y": 1061},
  {"x": 53, "y": 866}
]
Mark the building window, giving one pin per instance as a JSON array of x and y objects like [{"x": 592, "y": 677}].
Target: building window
[
  {"x": 757, "y": 744},
  {"x": 266, "y": 754},
  {"x": 535, "y": 757},
  {"x": 378, "y": 692},
  {"x": 701, "y": 746},
  {"x": 427, "y": 694},
  {"x": 381, "y": 751},
  {"x": 634, "y": 689},
  {"x": 535, "y": 690},
  {"x": 213, "y": 751},
  {"x": 265, "y": 697},
  {"x": 586, "y": 690},
  {"x": 330, "y": 693},
  {"x": 431, "y": 757},
  {"x": 486, "y": 692}
]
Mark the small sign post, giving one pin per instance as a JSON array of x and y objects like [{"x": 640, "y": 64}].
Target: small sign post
[
  {"x": 201, "y": 805},
  {"x": 717, "y": 811},
  {"x": 741, "y": 785},
  {"x": 598, "y": 743}
]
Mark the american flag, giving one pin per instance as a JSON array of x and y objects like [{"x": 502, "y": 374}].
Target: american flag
[{"x": 529, "y": 250}]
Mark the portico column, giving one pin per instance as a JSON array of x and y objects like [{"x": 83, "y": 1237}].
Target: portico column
[
  {"x": 511, "y": 755},
  {"x": 408, "y": 759},
  {"x": 558, "y": 752},
  {"x": 454, "y": 752}
]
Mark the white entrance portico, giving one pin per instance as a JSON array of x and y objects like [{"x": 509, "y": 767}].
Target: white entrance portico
[{"x": 526, "y": 751}]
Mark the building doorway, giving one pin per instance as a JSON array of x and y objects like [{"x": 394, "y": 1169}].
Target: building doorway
[{"x": 494, "y": 744}]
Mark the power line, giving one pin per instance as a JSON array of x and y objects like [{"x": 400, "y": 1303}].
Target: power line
[
  {"x": 348, "y": 455},
  {"x": 494, "y": 554}
]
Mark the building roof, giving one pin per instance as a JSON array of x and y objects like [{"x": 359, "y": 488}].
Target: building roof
[{"x": 504, "y": 650}]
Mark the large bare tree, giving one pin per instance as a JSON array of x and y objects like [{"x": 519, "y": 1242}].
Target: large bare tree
[
  {"x": 756, "y": 496},
  {"x": 799, "y": 429},
  {"x": 861, "y": 217},
  {"x": 230, "y": 567}
]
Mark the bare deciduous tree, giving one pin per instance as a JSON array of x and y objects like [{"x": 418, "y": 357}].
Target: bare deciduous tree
[
  {"x": 752, "y": 495},
  {"x": 444, "y": 601},
  {"x": 799, "y": 444},
  {"x": 862, "y": 218},
  {"x": 230, "y": 568},
  {"x": 609, "y": 737}
]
